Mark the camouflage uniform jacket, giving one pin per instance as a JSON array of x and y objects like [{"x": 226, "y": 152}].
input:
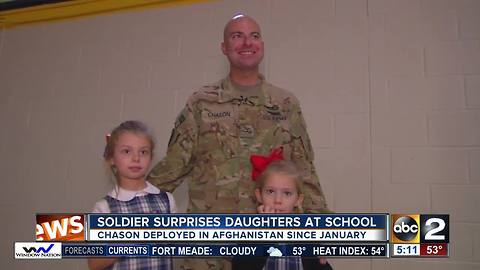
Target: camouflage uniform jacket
[{"x": 214, "y": 136}]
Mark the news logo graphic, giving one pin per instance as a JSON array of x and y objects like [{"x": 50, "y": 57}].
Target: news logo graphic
[
  {"x": 420, "y": 234},
  {"x": 435, "y": 228},
  {"x": 405, "y": 228},
  {"x": 35, "y": 250},
  {"x": 60, "y": 227}
]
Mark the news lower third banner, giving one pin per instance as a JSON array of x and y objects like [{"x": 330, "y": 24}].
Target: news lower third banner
[
  {"x": 204, "y": 235},
  {"x": 245, "y": 228}
]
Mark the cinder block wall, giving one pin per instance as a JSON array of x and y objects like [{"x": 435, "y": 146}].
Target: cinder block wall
[{"x": 390, "y": 90}]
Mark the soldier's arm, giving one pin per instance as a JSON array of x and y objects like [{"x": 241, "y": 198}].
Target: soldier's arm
[
  {"x": 172, "y": 169},
  {"x": 303, "y": 156}
]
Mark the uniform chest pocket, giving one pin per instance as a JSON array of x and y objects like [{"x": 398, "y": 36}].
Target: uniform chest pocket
[{"x": 218, "y": 132}]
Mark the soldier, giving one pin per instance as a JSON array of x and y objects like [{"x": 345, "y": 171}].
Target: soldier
[{"x": 224, "y": 123}]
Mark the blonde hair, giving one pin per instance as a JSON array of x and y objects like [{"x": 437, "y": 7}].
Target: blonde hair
[
  {"x": 284, "y": 167},
  {"x": 132, "y": 126}
]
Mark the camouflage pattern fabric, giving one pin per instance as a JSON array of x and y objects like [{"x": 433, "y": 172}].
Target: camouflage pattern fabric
[{"x": 214, "y": 136}]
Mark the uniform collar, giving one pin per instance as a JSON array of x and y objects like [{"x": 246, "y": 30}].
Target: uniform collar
[
  {"x": 127, "y": 195},
  {"x": 227, "y": 89}
]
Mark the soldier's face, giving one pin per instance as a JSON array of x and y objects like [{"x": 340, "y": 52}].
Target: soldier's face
[
  {"x": 243, "y": 44},
  {"x": 132, "y": 156},
  {"x": 280, "y": 193}
]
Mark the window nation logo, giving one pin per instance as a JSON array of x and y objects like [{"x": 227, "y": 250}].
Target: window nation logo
[{"x": 35, "y": 250}]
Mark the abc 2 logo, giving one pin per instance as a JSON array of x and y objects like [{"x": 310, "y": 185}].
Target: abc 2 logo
[{"x": 417, "y": 228}]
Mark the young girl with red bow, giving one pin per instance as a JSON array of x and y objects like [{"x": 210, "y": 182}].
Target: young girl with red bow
[{"x": 279, "y": 190}]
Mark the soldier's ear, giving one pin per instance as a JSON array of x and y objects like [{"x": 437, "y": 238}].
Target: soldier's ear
[
  {"x": 258, "y": 195},
  {"x": 223, "y": 48}
]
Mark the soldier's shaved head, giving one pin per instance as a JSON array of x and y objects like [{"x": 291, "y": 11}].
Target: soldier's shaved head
[{"x": 239, "y": 17}]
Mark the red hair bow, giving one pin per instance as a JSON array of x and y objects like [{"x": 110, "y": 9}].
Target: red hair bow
[{"x": 260, "y": 163}]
